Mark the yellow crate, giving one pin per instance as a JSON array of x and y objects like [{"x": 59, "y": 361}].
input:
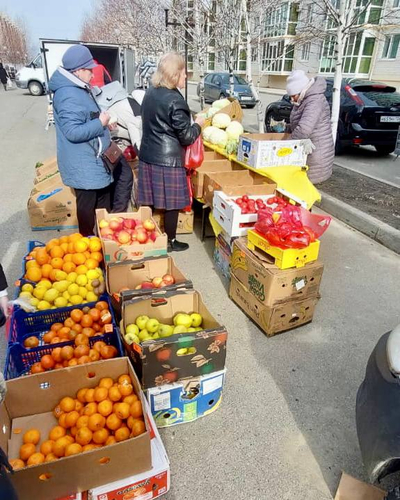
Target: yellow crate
[{"x": 284, "y": 258}]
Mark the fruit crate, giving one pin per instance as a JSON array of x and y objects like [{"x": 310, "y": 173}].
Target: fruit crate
[
  {"x": 284, "y": 258},
  {"x": 19, "y": 359},
  {"x": 24, "y": 324}
]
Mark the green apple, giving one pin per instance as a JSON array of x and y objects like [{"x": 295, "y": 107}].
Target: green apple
[
  {"x": 132, "y": 328},
  {"x": 180, "y": 329},
  {"x": 165, "y": 331},
  {"x": 196, "y": 319},
  {"x": 152, "y": 325},
  {"x": 183, "y": 319},
  {"x": 191, "y": 329},
  {"x": 198, "y": 329},
  {"x": 144, "y": 335},
  {"x": 141, "y": 322},
  {"x": 155, "y": 336},
  {"x": 130, "y": 338}
]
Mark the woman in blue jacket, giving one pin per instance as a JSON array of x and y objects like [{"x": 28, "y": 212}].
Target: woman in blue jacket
[{"x": 82, "y": 136}]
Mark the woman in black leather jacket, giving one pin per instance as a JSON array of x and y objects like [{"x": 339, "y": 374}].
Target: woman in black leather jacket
[{"x": 167, "y": 130}]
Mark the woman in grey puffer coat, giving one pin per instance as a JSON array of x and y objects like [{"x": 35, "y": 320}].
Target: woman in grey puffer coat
[{"x": 311, "y": 119}]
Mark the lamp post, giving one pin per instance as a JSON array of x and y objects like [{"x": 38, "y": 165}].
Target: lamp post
[{"x": 175, "y": 24}]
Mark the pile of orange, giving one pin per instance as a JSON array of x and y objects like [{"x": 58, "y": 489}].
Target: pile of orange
[
  {"x": 61, "y": 256},
  {"x": 96, "y": 417}
]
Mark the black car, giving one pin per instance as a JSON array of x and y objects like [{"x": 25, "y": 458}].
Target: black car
[
  {"x": 369, "y": 114},
  {"x": 216, "y": 86}
]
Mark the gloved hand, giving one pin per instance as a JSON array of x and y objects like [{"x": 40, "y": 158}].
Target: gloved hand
[{"x": 308, "y": 146}]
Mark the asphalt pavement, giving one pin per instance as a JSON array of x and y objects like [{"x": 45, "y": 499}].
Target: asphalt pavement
[{"x": 285, "y": 429}]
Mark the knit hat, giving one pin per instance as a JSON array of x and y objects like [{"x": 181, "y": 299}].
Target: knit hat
[
  {"x": 78, "y": 57},
  {"x": 296, "y": 82}
]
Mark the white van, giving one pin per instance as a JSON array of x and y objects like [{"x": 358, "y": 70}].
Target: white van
[{"x": 119, "y": 61}]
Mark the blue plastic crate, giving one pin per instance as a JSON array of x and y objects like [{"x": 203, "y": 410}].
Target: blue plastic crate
[
  {"x": 19, "y": 359},
  {"x": 24, "y": 324}
]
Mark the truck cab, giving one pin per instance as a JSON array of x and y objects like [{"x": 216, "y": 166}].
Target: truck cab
[{"x": 31, "y": 77}]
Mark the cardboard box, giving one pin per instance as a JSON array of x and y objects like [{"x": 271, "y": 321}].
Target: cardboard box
[
  {"x": 270, "y": 150},
  {"x": 185, "y": 221},
  {"x": 159, "y": 362},
  {"x": 52, "y": 205},
  {"x": 30, "y": 402},
  {"x": 48, "y": 166},
  {"x": 213, "y": 155},
  {"x": 197, "y": 178},
  {"x": 275, "y": 319},
  {"x": 118, "y": 253},
  {"x": 236, "y": 183},
  {"x": 77, "y": 496},
  {"x": 131, "y": 273},
  {"x": 354, "y": 489},
  {"x": 269, "y": 284},
  {"x": 145, "y": 486},
  {"x": 186, "y": 400},
  {"x": 222, "y": 256}
]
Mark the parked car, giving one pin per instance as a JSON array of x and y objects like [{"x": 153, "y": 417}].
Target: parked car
[
  {"x": 369, "y": 114},
  {"x": 216, "y": 86}
]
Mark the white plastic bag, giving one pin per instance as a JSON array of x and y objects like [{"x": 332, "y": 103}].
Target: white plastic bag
[{"x": 9, "y": 84}]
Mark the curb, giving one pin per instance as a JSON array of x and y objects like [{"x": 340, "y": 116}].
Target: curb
[{"x": 370, "y": 226}]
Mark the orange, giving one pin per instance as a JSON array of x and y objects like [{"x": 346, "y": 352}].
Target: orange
[
  {"x": 89, "y": 396},
  {"x": 62, "y": 420},
  {"x": 90, "y": 409},
  {"x": 17, "y": 464},
  {"x": 60, "y": 446},
  {"x": 57, "y": 252},
  {"x": 26, "y": 451},
  {"x": 67, "y": 404},
  {"x": 50, "y": 458},
  {"x": 130, "y": 399},
  {"x": 113, "y": 422},
  {"x": 52, "y": 243},
  {"x": 67, "y": 352},
  {"x": 42, "y": 257},
  {"x": 33, "y": 274},
  {"x": 57, "y": 412},
  {"x": 124, "y": 379},
  {"x": 70, "y": 439},
  {"x": 96, "y": 256},
  {"x": 71, "y": 418},
  {"x": 81, "y": 270},
  {"x": 125, "y": 389},
  {"x": 138, "y": 428},
  {"x": 80, "y": 395},
  {"x": 56, "y": 355},
  {"x": 31, "y": 263},
  {"x": 130, "y": 422},
  {"x": 32, "y": 436},
  {"x": 95, "y": 244},
  {"x": 68, "y": 257},
  {"x": 80, "y": 246},
  {"x": 89, "y": 447},
  {"x": 122, "y": 410},
  {"x": 82, "y": 421},
  {"x": 64, "y": 239},
  {"x": 73, "y": 449},
  {"x": 87, "y": 254},
  {"x": 68, "y": 267},
  {"x": 110, "y": 440},
  {"x": 73, "y": 362},
  {"x": 84, "y": 436},
  {"x": 73, "y": 431},
  {"x": 100, "y": 394},
  {"x": 96, "y": 422},
  {"x": 64, "y": 247},
  {"x": 71, "y": 249},
  {"x": 91, "y": 263},
  {"x": 114, "y": 394},
  {"x": 46, "y": 270},
  {"x": 78, "y": 405},
  {"x": 136, "y": 409},
  {"x": 122, "y": 434},
  {"x": 57, "y": 432},
  {"x": 106, "y": 382},
  {"x": 57, "y": 263},
  {"x": 105, "y": 408},
  {"x": 78, "y": 258},
  {"x": 101, "y": 436},
  {"x": 35, "y": 459},
  {"x": 47, "y": 447}
]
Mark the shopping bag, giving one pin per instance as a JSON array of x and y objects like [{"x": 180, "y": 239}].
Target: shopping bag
[
  {"x": 9, "y": 84},
  {"x": 194, "y": 154}
]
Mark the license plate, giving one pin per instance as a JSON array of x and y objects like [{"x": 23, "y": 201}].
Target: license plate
[
  {"x": 247, "y": 98},
  {"x": 390, "y": 119}
]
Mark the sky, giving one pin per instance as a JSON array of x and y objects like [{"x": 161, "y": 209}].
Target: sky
[{"x": 48, "y": 18}]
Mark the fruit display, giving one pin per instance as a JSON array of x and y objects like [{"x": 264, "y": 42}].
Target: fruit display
[
  {"x": 146, "y": 328},
  {"x": 94, "y": 418},
  {"x": 157, "y": 282},
  {"x": 250, "y": 205},
  {"x": 128, "y": 231},
  {"x": 63, "y": 273}
]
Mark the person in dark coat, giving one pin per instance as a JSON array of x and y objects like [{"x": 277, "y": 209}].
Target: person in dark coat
[
  {"x": 3, "y": 76},
  {"x": 3, "y": 297},
  {"x": 167, "y": 131}
]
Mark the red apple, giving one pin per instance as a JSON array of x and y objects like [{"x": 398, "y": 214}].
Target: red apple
[
  {"x": 147, "y": 284},
  {"x": 142, "y": 237},
  {"x": 106, "y": 232},
  {"x": 138, "y": 287},
  {"x": 129, "y": 224},
  {"x": 163, "y": 283},
  {"x": 149, "y": 225},
  {"x": 153, "y": 236},
  {"x": 168, "y": 279},
  {"x": 124, "y": 237},
  {"x": 157, "y": 282},
  {"x": 139, "y": 227},
  {"x": 115, "y": 225},
  {"x": 103, "y": 223}
]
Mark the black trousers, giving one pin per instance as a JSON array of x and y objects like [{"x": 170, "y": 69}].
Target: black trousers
[
  {"x": 122, "y": 186},
  {"x": 170, "y": 223},
  {"x": 87, "y": 200}
]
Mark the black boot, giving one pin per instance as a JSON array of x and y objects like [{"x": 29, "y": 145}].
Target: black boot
[{"x": 177, "y": 246}]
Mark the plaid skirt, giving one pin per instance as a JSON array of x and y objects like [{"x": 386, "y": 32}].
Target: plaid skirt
[{"x": 162, "y": 187}]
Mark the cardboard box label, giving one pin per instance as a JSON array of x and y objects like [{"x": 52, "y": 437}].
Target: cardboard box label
[{"x": 162, "y": 401}]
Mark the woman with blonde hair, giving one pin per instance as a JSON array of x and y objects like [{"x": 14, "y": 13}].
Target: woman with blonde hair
[{"x": 167, "y": 131}]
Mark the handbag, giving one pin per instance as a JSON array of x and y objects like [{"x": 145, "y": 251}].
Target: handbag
[
  {"x": 194, "y": 154},
  {"x": 111, "y": 157}
]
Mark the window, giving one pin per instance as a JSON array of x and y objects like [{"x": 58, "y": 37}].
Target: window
[
  {"x": 391, "y": 47},
  {"x": 239, "y": 60},
  {"x": 368, "y": 11},
  {"x": 211, "y": 62},
  {"x": 277, "y": 57},
  {"x": 357, "y": 54},
  {"x": 190, "y": 62},
  {"x": 305, "y": 51},
  {"x": 37, "y": 62},
  {"x": 327, "y": 63},
  {"x": 293, "y": 18},
  {"x": 396, "y": 4}
]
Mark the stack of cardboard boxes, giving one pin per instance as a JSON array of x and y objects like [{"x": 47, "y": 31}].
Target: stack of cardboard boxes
[{"x": 51, "y": 204}]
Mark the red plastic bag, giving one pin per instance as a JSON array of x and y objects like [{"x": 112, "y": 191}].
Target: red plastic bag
[
  {"x": 188, "y": 208},
  {"x": 194, "y": 154}
]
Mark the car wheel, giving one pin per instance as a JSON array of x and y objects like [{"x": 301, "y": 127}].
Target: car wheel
[
  {"x": 222, "y": 96},
  {"x": 384, "y": 150},
  {"x": 35, "y": 88},
  {"x": 339, "y": 148},
  {"x": 251, "y": 106},
  {"x": 268, "y": 118}
]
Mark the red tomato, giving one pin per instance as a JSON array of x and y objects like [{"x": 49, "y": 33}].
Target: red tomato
[{"x": 245, "y": 198}]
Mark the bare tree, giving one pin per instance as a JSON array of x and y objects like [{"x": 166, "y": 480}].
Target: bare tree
[{"x": 13, "y": 41}]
